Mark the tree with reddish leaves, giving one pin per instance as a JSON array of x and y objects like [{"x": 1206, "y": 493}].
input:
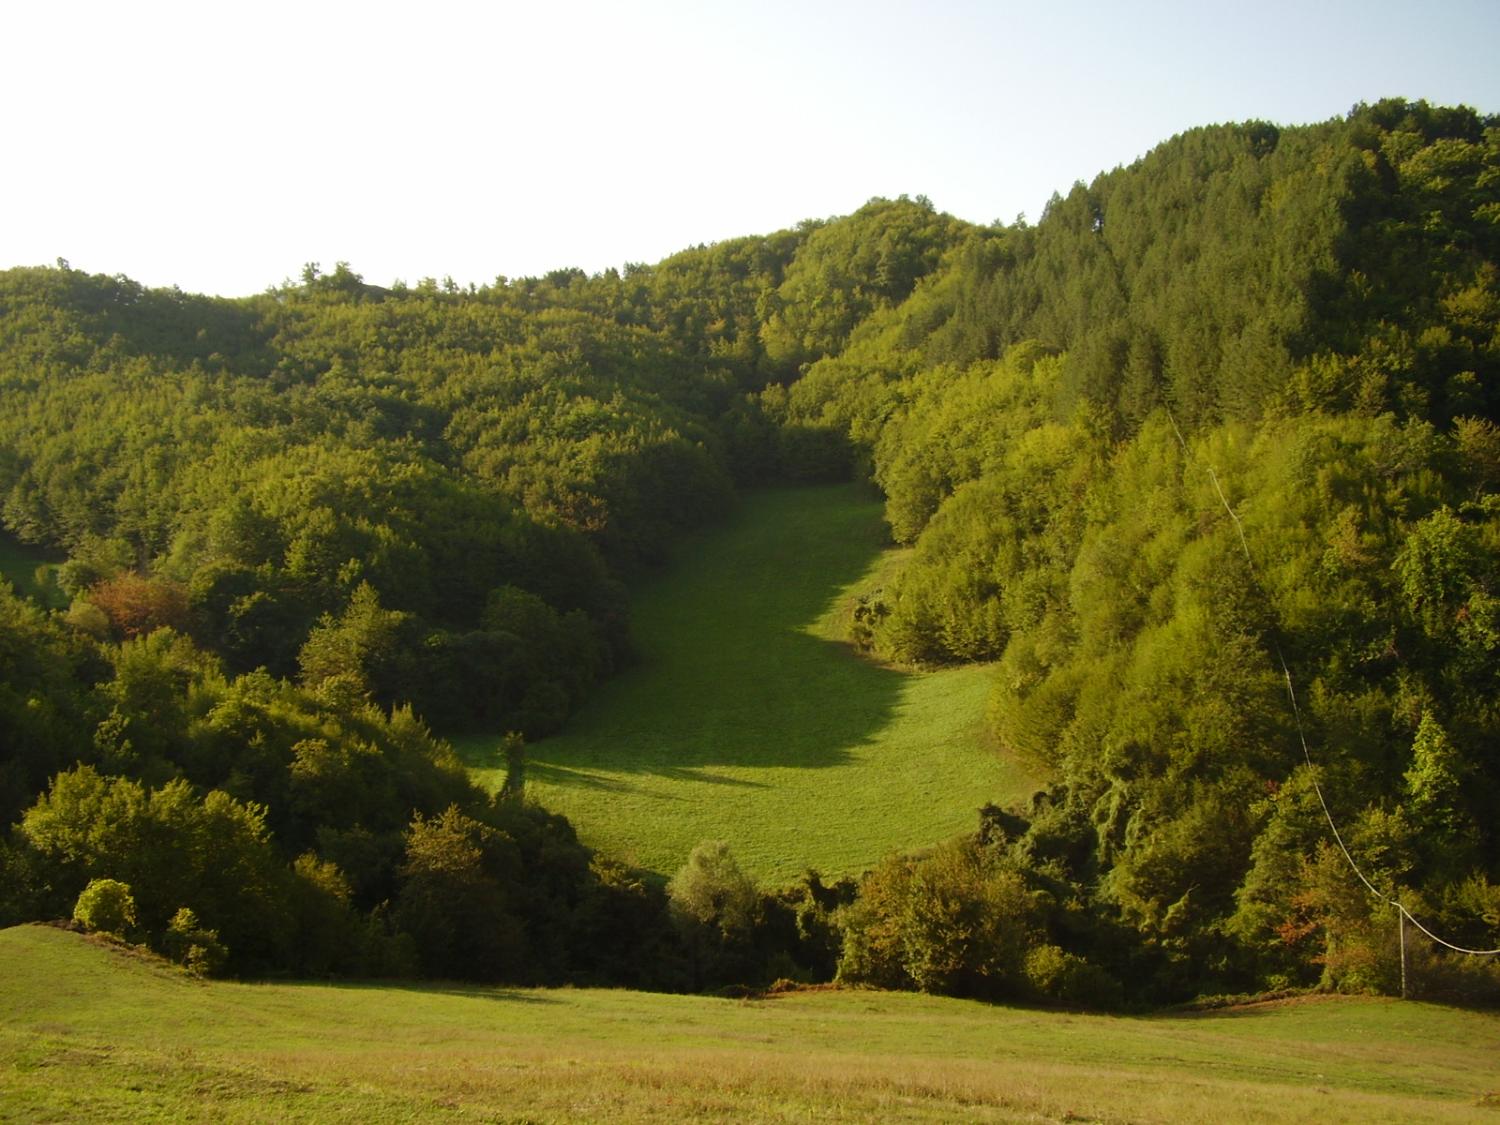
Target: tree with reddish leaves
[{"x": 136, "y": 604}]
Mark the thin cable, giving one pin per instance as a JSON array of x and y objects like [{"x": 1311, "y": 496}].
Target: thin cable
[
  {"x": 1456, "y": 948},
  {"x": 1213, "y": 476},
  {"x": 1301, "y": 733}
]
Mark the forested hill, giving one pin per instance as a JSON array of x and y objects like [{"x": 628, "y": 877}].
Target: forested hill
[
  {"x": 424, "y": 499},
  {"x": 239, "y": 469}
]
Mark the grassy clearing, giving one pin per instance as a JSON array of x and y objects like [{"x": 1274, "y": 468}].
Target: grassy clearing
[
  {"x": 20, "y": 563},
  {"x": 91, "y": 1032},
  {"x": 748, "y": 719}
]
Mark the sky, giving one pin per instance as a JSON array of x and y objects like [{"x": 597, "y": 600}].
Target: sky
[{"x": 220, "y": 147}]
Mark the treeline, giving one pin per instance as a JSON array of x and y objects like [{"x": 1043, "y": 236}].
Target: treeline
[{"x": 1231, "y": 404}]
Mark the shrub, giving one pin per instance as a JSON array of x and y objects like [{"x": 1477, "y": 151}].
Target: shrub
[
  {"x": 193, "y": 946},
  {"x": 957, "y": 921},
  {"x": 106, "y": 906},
  {"x": 711, "y": 890},
  {"x": 715, "y": 907},
  {"x": 1056, "y": 974}
]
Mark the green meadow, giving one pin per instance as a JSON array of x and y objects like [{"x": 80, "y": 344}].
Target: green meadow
[
  {"x": 20, "y": 563},
  {"x": 93, "y": 1031},
  {"x": 748, "y": 718}
]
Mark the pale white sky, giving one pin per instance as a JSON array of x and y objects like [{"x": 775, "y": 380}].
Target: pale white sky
[{"x": 219, "y": 147}]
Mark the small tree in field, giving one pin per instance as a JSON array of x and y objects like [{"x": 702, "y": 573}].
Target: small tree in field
[
  {"x": 711, "y": 890},
  {"x": 106, "y": 906},
  {"x": 513, "y": 750},
  {"x": 715, "y": 907}
]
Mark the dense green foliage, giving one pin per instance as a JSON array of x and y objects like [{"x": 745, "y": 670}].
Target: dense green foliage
[
  {"x": 304, "y": 831},
  {"x": 1233, "y": 402},
  {"x": 1231, "y": 405}
]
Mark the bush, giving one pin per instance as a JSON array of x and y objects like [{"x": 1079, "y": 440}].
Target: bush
[
  {"x": 1056, "y": 974},
  {"x": 1451, "y": 978},
  {"x": 193, "y": 946},
  {"x": 715, "y": 908},
  {"x": 711, "y": 890},
  {"x": 957, "y": 921},
  {"x": 106, "y": 906}
]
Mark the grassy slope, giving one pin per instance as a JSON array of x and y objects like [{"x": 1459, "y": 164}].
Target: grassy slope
[
  {"x": 748, "y": 720},
  {"x": 92, "y": 1032}
]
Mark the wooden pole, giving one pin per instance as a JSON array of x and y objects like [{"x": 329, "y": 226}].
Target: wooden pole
[{"x": 1401, "y": 926}]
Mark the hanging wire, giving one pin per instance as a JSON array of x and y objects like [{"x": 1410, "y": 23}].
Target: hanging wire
[{"x": 1301, "y": 733}]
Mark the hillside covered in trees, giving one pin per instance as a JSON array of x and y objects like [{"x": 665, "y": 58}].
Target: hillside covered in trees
[{"x": 1232, "y": 405}]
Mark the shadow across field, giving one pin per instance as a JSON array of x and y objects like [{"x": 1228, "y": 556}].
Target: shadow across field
[
  {"x": 747, "y": 720},
  {"x": 432, "y": 988},
  {"x": 731, "y": 673},
  {"x": 566, "y": 775}
]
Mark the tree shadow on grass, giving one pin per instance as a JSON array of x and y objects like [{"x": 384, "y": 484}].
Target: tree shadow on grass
[
  {"x": 434, "y": 988},
  {"x": 1248, "y": 1008},
  {"x": 730, "y": 675},
  {"x": 555, "y": 774}
]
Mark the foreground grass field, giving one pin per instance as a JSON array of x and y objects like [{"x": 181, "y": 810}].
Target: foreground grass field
[
  {"x": 747, "y": 718},
  {"x": 93, "y": 1032}
]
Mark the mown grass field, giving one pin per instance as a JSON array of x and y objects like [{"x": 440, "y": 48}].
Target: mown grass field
[
  {"x": 748, "y": 719},
  {"x": 93, "y": 1032}
]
